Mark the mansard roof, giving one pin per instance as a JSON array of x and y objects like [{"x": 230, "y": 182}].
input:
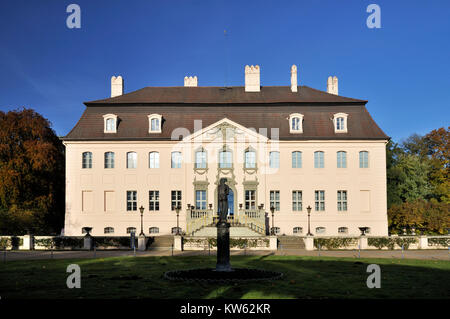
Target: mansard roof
[{"x": 269, "y": 109}]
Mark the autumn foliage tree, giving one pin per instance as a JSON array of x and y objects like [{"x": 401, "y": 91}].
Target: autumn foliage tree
[{"x": 31, "y": 174}]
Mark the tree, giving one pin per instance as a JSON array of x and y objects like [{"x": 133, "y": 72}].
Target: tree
[{"x": 31, "y": 174}]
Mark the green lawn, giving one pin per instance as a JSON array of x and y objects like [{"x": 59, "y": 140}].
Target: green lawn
[{"x": 304, "y": 277}]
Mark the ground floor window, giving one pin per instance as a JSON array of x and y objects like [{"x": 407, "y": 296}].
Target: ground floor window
[
  {"x": 131, "y": 200},
  {"x": 275, "y": 200},
  {"x": 320, "y": 200},
  {"x": 320, "y": 230},
  {"x": 153, "y": 230},
  {"x": 296, "y": 201},
  {"x": 276, "y": 230},
  {"x": 250, "y": 199},
  {"x": 174, "y": 230},
  {"x": 341, "y": 201},
  {"x": 200, "y": 199},
  {"x": 153, "y": 200},
  {"x": 131, "y": 230},
  {"x": 176, "y": 199},
  {"x": 297, "y": 230},
  {"x": 343, "y": 230}
]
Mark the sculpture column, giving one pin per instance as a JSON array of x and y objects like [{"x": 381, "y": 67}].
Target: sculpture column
[{"x": 223, "y": 246}]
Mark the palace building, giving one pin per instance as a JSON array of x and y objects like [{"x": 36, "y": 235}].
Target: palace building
[{"x": 279, "y": 147}]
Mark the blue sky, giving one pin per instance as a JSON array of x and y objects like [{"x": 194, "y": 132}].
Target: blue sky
[{"x": 403, "y": 69}]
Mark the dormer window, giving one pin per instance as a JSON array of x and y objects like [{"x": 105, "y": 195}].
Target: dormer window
[
  {"x": 154, "y": 123},
  {"x": 340, "y": 122},
  {"x": 110, "y": 123},
  {"x": 296, "y": 123}
]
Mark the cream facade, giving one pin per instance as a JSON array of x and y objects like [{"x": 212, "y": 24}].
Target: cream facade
[{"x": 297, "y": 156}]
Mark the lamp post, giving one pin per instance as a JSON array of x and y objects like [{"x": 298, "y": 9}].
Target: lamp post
[
  {"x": 141, "y": 209},
  {"x": 272, "y": 232},
  {"x": 309, "y": 224},
  {"x": 177, "y": 209}
]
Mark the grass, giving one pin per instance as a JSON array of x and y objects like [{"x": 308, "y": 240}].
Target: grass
[{"x": 304, "y": 277}]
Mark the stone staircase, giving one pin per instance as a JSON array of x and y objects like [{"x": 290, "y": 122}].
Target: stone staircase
[
  {"x": 236, "y": 230},
  {"x": 160, "y": 243},
  {"x": 290, "y": 242}
]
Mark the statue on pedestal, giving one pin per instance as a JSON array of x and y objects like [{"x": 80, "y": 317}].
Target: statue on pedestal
[{"x": 223, "y": 190}]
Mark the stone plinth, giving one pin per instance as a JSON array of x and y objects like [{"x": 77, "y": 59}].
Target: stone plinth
[
  {"x": 273, "y": 242},
  {"x": 141, "y": 242},
  {"x": 28, "y": 242},
  {"x": 223, "y": 247},
  {"x": 178, "y": 242},
  {"x": 309, "y": 243},
  {"x": 88, "y": 242},
  {"x": 363, "y": 242}
]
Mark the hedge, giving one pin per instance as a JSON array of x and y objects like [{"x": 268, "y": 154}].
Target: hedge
[
  {"x": 334, "y": 243},
  {"x": 390, "y": 242}
]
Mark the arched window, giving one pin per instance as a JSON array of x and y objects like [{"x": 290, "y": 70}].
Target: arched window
[
  {"x": 319, "y": 159},
  {"x": 153, "y": 160},
  {"x": 297, "y": 230},
  {"x": 109, "y": 160},
  {"x": 131, "y": 230},
  {"x": 110, "y": 123},
  {"x": 108, "y": 230},
  {"x": 250, "y": 158},
  {"x": 296, "y": 123},
  {"x": 341, "y": 159},
  {"x": 296, "y": 159},
  {"x": 86, "y": 160},
  {"x": 225, "y": 159},
  {"x": 131, "y": 160},
  {"x": 274, "y": 159},
  {"x": 154, "y": 123},
  {"x": 200, "y": 158},
  {"x": 343, "y": 230},
  {"x": 363, "y": 159},
  {"x": 320, "y": 230},
  {"x": 153, "y": 230},
  {"x": 176, "y": 160},
  {"x": 340, "y": 122}
]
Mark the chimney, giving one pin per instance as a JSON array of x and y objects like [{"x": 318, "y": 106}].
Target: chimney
[
  {"x": 294, "y": 78},
  {"x": 116, "y": 86},
  {"x": 252, "y": 81},
  {"x": 332, "y": 85},
  {"x": 190, "y": 81}
]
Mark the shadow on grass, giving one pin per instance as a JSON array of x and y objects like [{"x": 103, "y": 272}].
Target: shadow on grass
[{"x": 304, "y": 277}]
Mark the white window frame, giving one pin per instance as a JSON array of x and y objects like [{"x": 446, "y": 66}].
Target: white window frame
[
  {"x": 153, "y": 162},
  {"x": 175, "y": 199},
  {"x": 109, "y": 163},
  {"x": 176, "y": 159},
  {"x": 131, "y": 230},
  {"x": 322, "y": 229},
  {"x": 132, "y": 160},
  {"x": 319, "y": 159},
  {"x": 343, "y": 230},
  {"x": 342, "y": 161},
  {"x": 86, "y": 160},
  {"x": 319, "y": 201},
  {"x": 250, "y": 160},
  {"x": 342, "y": 201},
  {"x": 297, "y": 200},
  {"x": 275, "y": 200},
  {"x": 361, "y": 159},
  {"x": 297, "y": 160},
  {"x": 300, "y": 124},
  {"x": 156, "y": 117},
  {"x": 153, "y": 230},
  {"x": 153, "y": 200},
  {"x": 335, "y": 123},
  {"x": 297, "y": 230},
  {"x": 250, "y": 199},
  {"x": 108, "y": 230},
  {"x": 201, "y": 155},
  {"x": 107, "y": 117},
  {"x": 274, "y": 159},
  {"x": 132, "y": 201}
]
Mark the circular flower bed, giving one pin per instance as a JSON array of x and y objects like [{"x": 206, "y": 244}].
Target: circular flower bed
[{"x": 211, "y": 275}]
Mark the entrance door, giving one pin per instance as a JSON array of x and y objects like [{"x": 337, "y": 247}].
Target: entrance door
[{"x": 231, "y": 202}]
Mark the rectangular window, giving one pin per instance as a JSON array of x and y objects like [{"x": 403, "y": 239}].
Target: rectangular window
[
  {"x": 342, "y": 201},
  {"x": 225, "y": 159},
  {"x": 320, "y": 200},
  {"x": 250, "y": 159},
  {"x": 296, "y": 159},
  {"x": 200, "y": 199},
  {"x": 153, "y": 159},
  {"x": 155, "y": 125},
  {"x": 275, "y": 200},
  {"x": 319, "y": 161},
  {"x": 250, "y": 199},
  {"x": 131, "y": 200},
  {"x": 274, "y": 159},
  {"x": 342, "y": 159},
  {"x": 297, "y": 201},
  {"x": 200, "y": 159},
  {"x": 153, "y": 197},
  {"x": 176, "y": 199}
]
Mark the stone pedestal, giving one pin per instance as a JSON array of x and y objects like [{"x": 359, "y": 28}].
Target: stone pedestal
[
  {"x": 223, "y": 247},
  {"x": 28, "y": 242},
  {"x": 273, "y": 242},
  {"x": 363, "y": 242},
  {"x": 141, "y": 242},
  {"x": 423, "y": 242},
  {"x": 309, "y": 243},
  {"x": 177, "y": 242},
  {"x": 88, "y": 242}
]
